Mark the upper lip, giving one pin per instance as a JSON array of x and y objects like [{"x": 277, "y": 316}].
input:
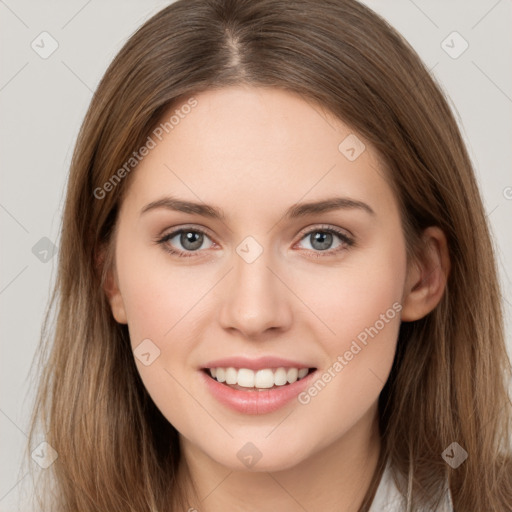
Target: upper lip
[{"x": 256, "y": 363}]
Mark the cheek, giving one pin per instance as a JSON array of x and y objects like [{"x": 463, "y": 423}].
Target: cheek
[
  {"x": 361, "y": 348},
  {"x": 358, "y": 296},
  {"x": 157, "y": 295}
]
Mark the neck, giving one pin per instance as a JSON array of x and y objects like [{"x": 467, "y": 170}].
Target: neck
[{"x": 336, "y": 477}]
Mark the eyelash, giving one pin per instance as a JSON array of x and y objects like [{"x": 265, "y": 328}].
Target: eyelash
[{"x": 347, "y": 242}]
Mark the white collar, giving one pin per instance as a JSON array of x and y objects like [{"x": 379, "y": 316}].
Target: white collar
[{"x": 389, "y": 499}]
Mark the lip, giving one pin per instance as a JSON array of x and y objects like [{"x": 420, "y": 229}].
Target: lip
[
  {"x": 256, "y": 363},
  {"x": 255, "y": 402}
]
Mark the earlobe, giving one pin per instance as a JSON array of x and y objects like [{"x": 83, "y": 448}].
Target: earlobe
[
  {"x": 111, "y": 289},
  {"x": 115, "y": 298},
  {"x": 427, "y": 277}
]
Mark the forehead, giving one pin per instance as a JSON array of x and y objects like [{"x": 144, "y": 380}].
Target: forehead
[{"x": 247, "y": 147}]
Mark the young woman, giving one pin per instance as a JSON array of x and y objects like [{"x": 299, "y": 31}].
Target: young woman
[{"x": 277, "y": 287}]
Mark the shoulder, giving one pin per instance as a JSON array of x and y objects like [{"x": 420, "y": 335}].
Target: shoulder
[{"x": 389, "y": 499}]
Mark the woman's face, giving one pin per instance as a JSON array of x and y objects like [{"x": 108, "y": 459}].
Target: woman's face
[{"x": 271, "y": 286}]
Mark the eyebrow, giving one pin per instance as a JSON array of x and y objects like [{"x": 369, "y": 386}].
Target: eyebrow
[{"x": 295, "y": 211}]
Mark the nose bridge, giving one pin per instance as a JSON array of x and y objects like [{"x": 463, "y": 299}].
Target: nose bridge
[{"x": 256, "y": 299}]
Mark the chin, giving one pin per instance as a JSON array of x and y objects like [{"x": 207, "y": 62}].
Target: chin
[{"x": 254, "y": 457}]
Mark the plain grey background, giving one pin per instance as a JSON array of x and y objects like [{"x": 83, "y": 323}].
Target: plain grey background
[{"x": 43, "y": 99}]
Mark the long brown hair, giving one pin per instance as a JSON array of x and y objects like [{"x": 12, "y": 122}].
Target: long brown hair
[{"x": 449, "y": 380}]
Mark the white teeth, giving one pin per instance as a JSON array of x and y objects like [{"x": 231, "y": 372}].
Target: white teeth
[
  {"x": 280, "y": 377},
  {"x": 291, "y": 375},
  {"x": 264, "y": 379},
  {"x": 221, "y": 375},
  {"x": 261, "y": 379},
  {"x": 245, "y": 378},
  {"x": 231, "y": 376}
]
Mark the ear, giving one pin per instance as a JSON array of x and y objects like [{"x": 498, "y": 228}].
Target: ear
[
  {"x": 111, "y": 287},
  {"x": 426, "y": 276}
]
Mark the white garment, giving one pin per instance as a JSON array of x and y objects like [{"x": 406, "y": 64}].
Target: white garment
[{"x": 389, "y": 499}]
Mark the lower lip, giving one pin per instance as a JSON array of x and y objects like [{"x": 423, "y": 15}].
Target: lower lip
[{"x": 255, "y": 402}]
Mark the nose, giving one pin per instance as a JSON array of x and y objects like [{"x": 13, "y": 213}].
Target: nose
[{"x": 255, "y": 299}]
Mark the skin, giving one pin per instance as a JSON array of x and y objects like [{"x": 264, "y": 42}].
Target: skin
[{"x": 254, "y": 152}]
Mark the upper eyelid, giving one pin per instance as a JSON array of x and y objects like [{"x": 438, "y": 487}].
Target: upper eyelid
[{"x": 176, "y": 231}]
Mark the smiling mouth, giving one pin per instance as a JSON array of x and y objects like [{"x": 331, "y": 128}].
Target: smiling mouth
[{"x": 245, "y": 379}]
